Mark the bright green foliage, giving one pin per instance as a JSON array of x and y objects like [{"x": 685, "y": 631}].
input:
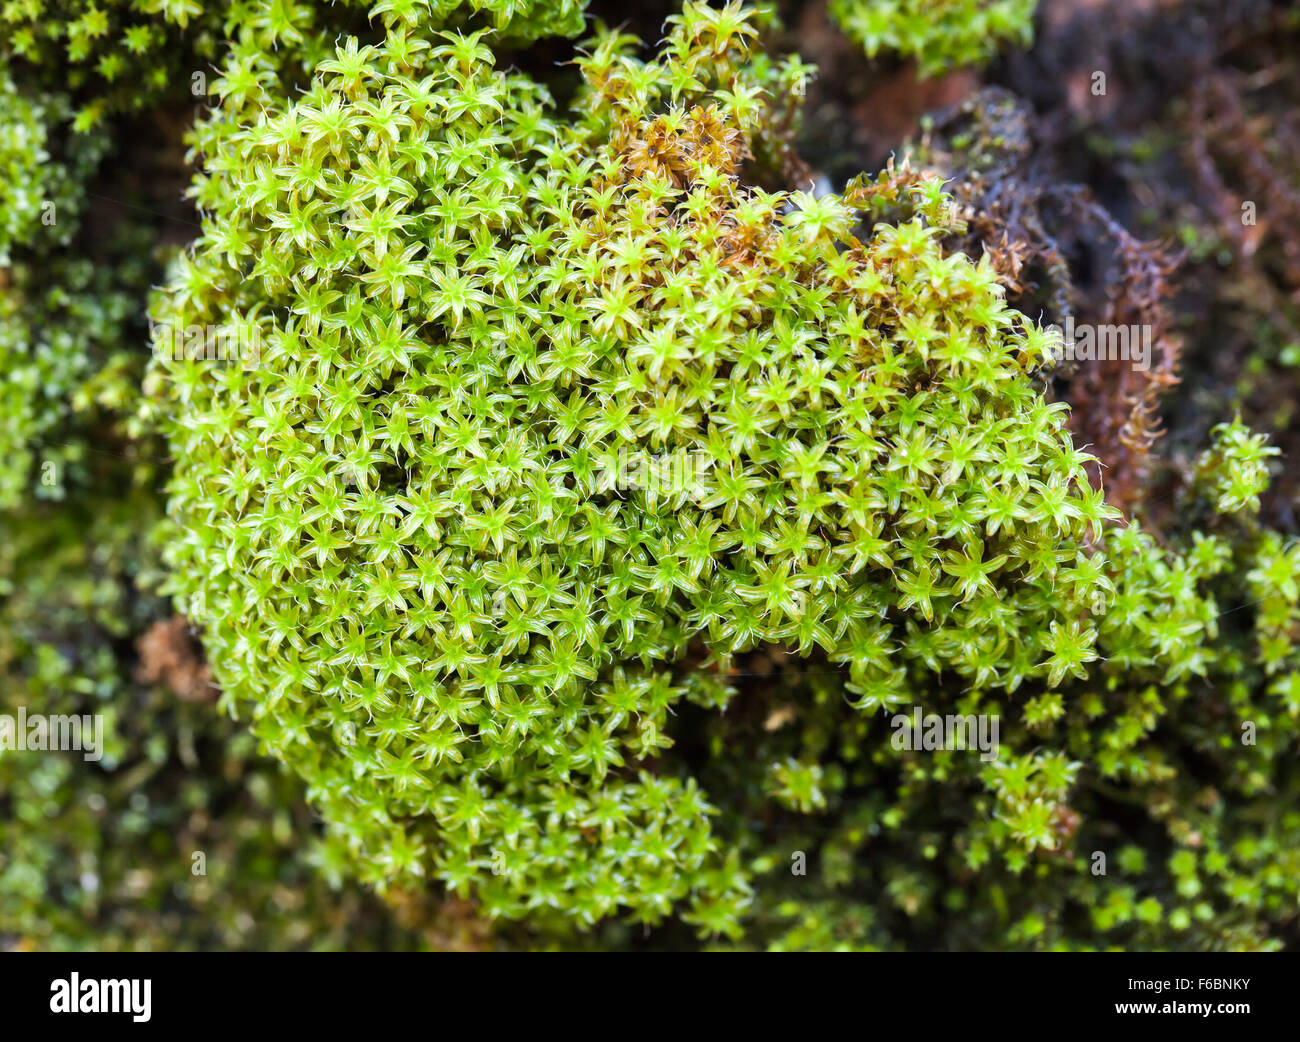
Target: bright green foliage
[
  {"x": 581, "y": 523},
  {"x": 1200, "y": 738},
  {"x": 940, "y": 34},
  {"x": 1235, "y": 471},
  {"x": 43, "y": 167},
  {"x": 66, "y": 310},
  {"x": 512, "y": 19},
  {"x": 115, "y": 55},
  {"x": 70, "y": 330},
  {"x": 100, "y": 855},
  {"x": 1174, "y": 760},
  {"x": 397, "y": 530},
  {"x": 123, "y": 55}
]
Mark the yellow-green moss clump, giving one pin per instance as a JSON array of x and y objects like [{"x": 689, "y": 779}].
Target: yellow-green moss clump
[
  {"x": 940, "y": 35},
  {"x": 399, "y": 531}
]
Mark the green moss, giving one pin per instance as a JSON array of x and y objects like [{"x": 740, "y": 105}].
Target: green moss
[
  {"x": 69, "y": 299},
  {"x": 126, "y": 55},
  {"x": 582, "y": 521},
  {"x": 448, "y": 621},
  {"x": 43, "y": 168},
  {"x": 949, "y": 34},
  {"x": 180, "y": 836},
  {"x": 69, "y": 356},
  {"x": 1234, "y": 470},
  {"x": 112, "y": 55}
]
